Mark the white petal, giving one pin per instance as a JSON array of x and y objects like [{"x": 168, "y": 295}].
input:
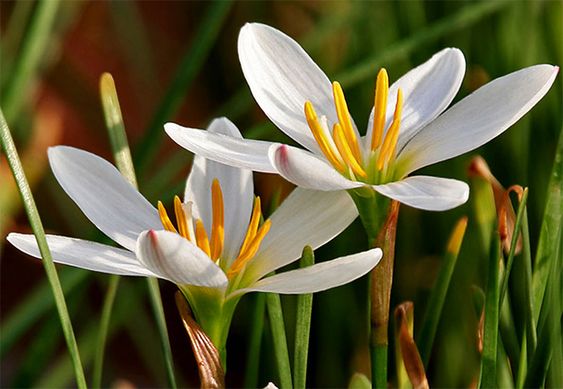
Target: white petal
[
  {"x": 425, "y": 192},
  {"x": 282, "y": 77},
  {"x": 427, "y": 91},
  {"x": 178, "y": 260},
  {"x": 101, "y": 192},
  {"x": 237, "y": 188},
  {"x": 321, "y": 276},
  {"x": 307, "y": 170},
  {"x": 305, "y": 218},
  {"x": 479, "y": 117},
  {"x": 233, "y": 151},
  {"x": 83, "y": 254}
]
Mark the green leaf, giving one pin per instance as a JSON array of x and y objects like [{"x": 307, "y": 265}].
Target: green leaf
[{"x": 281, "y": 353}]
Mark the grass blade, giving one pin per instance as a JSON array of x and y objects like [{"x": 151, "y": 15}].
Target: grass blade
[
  {"x": 275, "y": 313},
  {"x": 188, "y": 68},
  {"x": 37, "y": 227},
  {"x": 488, "y": 375},
  {"x": 122, "y": 155},
  {"x": 438, "y": 296},
  {"x": 256, "y": 330},
  {"x": 303, "y": 327}
]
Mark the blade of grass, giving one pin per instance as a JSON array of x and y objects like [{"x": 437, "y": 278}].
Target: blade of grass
[
  {"x": 547, "y": 245},
  {"x": 35, "y": 305},
  {"x": 438, "y": 295},
  {"x": 303, "y": 327},
  {"x": 189, "y": 66},
  {"x": 281, "y": 353},
  {"x": 122, "y": 155},
  {"x": 256, "y": 330},
  {"x": 488, "y": 375},
  {"x": 37, "y": 227},
  {"x": 510, "y": 259},
  {"x": 32, "y": 52}
]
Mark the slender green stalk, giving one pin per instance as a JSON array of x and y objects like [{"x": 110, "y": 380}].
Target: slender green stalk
[
  {"x": 277, "y": 326},
  {"x": 531, "y": 334},
  {"x": 31, "y": 53},
  {"x": 189, "y": 66},
  {"x": 256, "y": 330},
  {"x": 37, "y": 227},
  {"x": 103, "y": 331},
  {"x": 488, "y": 377},
  {"x": 513, "y": 244},
  {"x": 303, "y": 327},
  {"x": 438, "y": 295}
]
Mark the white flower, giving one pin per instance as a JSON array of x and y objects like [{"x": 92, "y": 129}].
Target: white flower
[
  {"x": 220, "y": 250},
  {"x": 410, "y": 129}
]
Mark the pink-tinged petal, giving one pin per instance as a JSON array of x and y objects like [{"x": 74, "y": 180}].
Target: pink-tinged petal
[
  {"x": 319, "y": 277},
  {"x": 305, "y": 218},
  {"x": 307, "y": 170},
  {"x": 282, "y": 77},
  {"x": 479, "y": 117},
  {"x": 236, "y": 185},
  {"x": 176, "y": 259},
  {"x": 83, "y": 254},
  {"x": 427, "y": 91},
  {"x": 230, "y": 150},
  {"x": 101, "y": 192},
  {"x": 425, "y": 192}
]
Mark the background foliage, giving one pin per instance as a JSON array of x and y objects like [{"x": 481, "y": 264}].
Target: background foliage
[{"x": 177, "y": 61}]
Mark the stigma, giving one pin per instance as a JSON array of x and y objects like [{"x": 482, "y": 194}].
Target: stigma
[
  {"x": 194, "y": 229},
  {"x": 342, "y": 146}
]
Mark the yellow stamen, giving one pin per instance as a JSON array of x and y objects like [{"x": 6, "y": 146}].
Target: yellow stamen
[
  {"x": 181, "y": 218},
  {"x": 189, "y": 220},
  {"x": 380, "y": 108},
  {"x": 345, "y": 121},
  {"x": 218, "y": 226},
  {"x": 201, "y": 237},
  {"x": 253, "y": 225},
  {"x": 320, "y": 137},
  {"x": 345, "y": 151},
  {"x": 392, "y": 136},
  {"x": 165, "y": 220},
  {"x": 250, "y": 250}
]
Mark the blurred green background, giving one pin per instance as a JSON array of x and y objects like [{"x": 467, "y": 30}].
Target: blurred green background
[{"x": 177, "y": 61}]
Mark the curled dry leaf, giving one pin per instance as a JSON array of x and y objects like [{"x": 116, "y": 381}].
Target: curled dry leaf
[
  {"x": 211, "y": 372},
  {"x": 505, "y": 212},
  {"x": 404, "y": 319}
]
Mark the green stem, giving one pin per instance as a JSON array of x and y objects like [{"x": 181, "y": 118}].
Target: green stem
[
  {"x": 37, "y": 227},
  {"x": 256, "y": 330},
  {"x": 303, "y": 327},
  {"x": 103, "y": 331},
  {"x": 124, "y": 162},
  {"x": 531, "y": 334},
  {"x": 273, "y": 303}
]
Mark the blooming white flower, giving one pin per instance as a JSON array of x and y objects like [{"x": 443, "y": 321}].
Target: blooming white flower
[
  {"x": 407, "y": 130},
  {"x": 219, "y": 250}
]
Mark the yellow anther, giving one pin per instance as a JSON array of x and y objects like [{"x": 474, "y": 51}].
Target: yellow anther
[
  {"x": 201, "y": 237},
  {"x": 165, "y": 220},
  {"x": 253, "y": 225},
  {"x": 218, "y": 226},
  {"x": 250, "y": 250},
  {"x": 181, "y": 218},
  {"x": 345, "y": 151},
  {"x": 392, "y": 136},
  {"x": 321, "y": 138},
  {"x": 380, "y": 108},
  {"x": 345, "y": 120},
  {"x": 189, "y": 220}
]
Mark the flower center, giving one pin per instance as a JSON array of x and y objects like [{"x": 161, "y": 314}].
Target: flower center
[
  {"x": 194, "y": 230},
  {"x": 342, "y": 147}
]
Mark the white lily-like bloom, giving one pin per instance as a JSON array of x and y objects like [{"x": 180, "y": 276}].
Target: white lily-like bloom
[
  {"x": 407, "y": 130},
  {"x": 220, "y": 248}
]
